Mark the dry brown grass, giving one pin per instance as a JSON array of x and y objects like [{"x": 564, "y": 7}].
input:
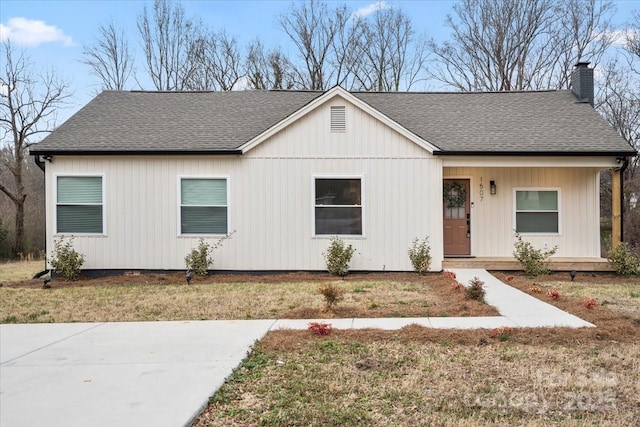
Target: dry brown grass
[
  {"x": 418, "y": 376},
  {"x": 167, "y": 297},
  {"x": 421, "y": 376},
  {"x": 19, "y": 270}
]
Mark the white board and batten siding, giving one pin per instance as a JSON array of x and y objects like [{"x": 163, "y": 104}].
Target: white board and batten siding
[
  {"x": 271, "y": 199},
  {"x": 493, "y": 216}
]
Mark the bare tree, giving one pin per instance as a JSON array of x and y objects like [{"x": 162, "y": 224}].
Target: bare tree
[
  {"x": 167, "y": 36},
  {"x": 109, "y": 58},
  {"x": 217, "y": 63},
  {"x": 633, "y": 42},
  {"x": 268, "y": 70},
  {"x": 390, "y": 56},
  {"x": 517, "y": 45},
  {"x": 28, "y": 107},
  {"x": 313, "y": 29},
  {"x": 618, "y": 101}
]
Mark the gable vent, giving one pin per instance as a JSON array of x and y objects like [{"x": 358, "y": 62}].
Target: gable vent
[{"x": 338, "y": 119}]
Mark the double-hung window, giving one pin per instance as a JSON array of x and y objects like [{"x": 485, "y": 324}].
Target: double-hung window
[
  {"x": 79, "y": 205},
  {"x": 338, "y": 206},
  {"x": 203, "y": 206},
  {"x": 537, "y": 211}
]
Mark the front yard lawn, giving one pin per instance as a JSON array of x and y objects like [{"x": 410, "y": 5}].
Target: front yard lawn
[
  {"x": 225, "y": 296},
  {"x": 421, "y": 376}
]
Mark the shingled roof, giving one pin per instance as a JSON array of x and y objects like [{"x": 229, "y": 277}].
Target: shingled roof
[{"x": 548, "y": 122}]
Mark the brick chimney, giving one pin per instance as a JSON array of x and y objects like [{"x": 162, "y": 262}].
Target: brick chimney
[{"x": 582, "y": 82}]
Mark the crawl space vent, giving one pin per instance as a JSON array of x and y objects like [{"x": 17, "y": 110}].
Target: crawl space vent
[{"x": 338, "y": 119}]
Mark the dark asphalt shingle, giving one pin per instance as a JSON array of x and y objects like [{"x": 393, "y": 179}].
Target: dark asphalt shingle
[{"x": 551, "y": 121}]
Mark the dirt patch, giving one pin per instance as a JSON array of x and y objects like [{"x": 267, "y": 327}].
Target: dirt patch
[{"x": 222, "y": 277}]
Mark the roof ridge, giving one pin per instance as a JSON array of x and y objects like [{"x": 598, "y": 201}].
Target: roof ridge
[
  {"x": 462, "y": 92},
  {"x": 351, "y": 91}
]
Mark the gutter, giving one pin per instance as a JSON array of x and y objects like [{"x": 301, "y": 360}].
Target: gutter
[
  {"x": 623, "y": 168},
  {"x": 535, "y": 153},
  {"x": 37, "y": 152}
]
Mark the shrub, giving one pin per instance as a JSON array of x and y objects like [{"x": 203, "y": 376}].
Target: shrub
[
  {"x": 65, "y": 260},
  {"x": 624, "y": 260},
  {"x": 201, "y": 258},
  {"x": 338, "y": 257},
  {"x": 502, "y": 333},
  {"x": 533, "y": 261},
  {"x": 449, "y": 275},
  {"x": 476, "y": 290},
  {"x": 320, "y": 328},
  {"x": 420, "y": 255},
  {"x": 554, "y": 294},
  {"x": 332, "y": 295},
  {"x": 589, "y": 303},
  {"x": 457, "y": 286}
]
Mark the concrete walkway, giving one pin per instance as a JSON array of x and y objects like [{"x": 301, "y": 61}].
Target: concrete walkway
[
  {"x": 516, "y": 307},
  {"x": 162, "y": 373}
]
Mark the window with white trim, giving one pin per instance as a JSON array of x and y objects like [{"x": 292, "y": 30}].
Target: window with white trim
[
  {"x": 537, "y": 211},
  {"x": 338, "y": 206},
  {"x": 79, "y": 206},
  {"x": 203, "y": 206}
]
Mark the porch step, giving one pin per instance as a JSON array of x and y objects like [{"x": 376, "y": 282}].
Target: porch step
[{"x": 507, "y": 263}]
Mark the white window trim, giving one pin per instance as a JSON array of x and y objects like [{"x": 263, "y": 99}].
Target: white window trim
[
  {"x": 313, "y": 206},
  {"x": 179, "y": 205},
  {"x": 104, "y": 203},
  {"x": 545, "y": 233}
]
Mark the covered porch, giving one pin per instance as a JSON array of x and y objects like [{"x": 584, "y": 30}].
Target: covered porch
[{"x": 549, "y": 201}]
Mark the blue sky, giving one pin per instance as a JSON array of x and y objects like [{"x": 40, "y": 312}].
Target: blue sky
[{"x": 52, "y": 33}]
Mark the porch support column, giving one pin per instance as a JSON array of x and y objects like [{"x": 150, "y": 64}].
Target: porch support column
[{"x": 616, "y": 208}]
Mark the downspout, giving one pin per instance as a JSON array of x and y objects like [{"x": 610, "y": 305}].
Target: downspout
[
  {"x": 625, "y": 164},
  {"x": 39, "y": 162},
  {"x": 41, "y": 165}
]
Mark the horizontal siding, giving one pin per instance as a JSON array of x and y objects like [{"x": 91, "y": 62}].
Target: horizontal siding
[{"x": 492, "y": 224}]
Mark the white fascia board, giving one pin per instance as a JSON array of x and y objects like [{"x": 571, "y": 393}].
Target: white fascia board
[
  {"x": 327, "y": 96},
  {"x": 604, "y": 162}
]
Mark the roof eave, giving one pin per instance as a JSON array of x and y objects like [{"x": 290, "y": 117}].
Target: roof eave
[
  {"x": 538, "y": 153},
  {"x": 45, "y": 152}
]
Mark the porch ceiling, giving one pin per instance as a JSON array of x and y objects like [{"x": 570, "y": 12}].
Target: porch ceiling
[{"x": 600, "y": 162}]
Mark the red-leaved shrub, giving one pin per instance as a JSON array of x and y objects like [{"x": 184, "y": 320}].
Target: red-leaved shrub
[
  {"x": 554, "y": 294},
  {"x": 320, "y": 328}
]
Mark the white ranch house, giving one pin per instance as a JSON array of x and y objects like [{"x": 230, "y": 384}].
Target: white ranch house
[{"x": 139, "y": 177}]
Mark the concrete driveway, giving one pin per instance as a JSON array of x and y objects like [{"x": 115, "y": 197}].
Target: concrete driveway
[{"x": 117, "y": 374}]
